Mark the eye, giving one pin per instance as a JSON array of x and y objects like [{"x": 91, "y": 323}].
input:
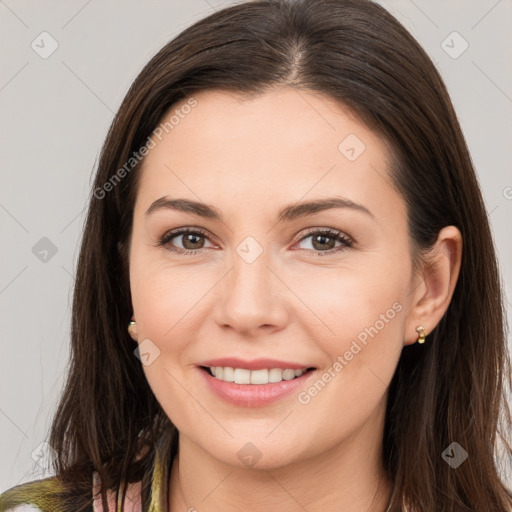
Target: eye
[
  {"x": 189, "y": 240},
  {"x": 192, "y": 240},
  {"x": 324, "y": 241}
]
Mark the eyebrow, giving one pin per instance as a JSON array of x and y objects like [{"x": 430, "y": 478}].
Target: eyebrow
[{"x": 288, "y": 213}]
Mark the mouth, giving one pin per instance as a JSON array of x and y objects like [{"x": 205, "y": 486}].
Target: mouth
[
  {"x": 255, "y": 383},
  {"x": 254, "y": 377}
]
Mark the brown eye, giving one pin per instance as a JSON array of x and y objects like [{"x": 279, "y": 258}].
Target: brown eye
[
  {"x": 192, "y": 241},
  {"x": 186, "y": 241},
  {"x": 323, "y": 242}
]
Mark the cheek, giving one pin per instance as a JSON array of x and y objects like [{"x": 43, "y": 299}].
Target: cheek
[
  {"x": 163, "y": 299},
  {"x": 362, "y": 311},
  {"x": 163, "y": 294},
  {"x": 366, "y": 313},
  {"x": 335, "y": 306},
  {"x": 361, "y": 303}
]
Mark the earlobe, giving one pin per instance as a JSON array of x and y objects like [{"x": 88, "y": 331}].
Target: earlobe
[{"x": 439, "y": 278}]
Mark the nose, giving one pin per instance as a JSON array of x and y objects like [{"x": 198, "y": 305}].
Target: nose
[{"x": 253, "y": 300}]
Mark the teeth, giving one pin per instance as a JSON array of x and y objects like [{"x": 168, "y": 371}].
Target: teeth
[
  {"x": 259, "y": 377},
  {"x": 275, "y": 375},
  {"x": 228, "y": 374},
  {"x": 289, "y": 374},
  {"x": 243, "y": 376}
]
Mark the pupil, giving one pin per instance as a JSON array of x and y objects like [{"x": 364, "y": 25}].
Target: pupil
[
  {"x": 189, "y": 239},
  {"x": 322, "y": 239}
]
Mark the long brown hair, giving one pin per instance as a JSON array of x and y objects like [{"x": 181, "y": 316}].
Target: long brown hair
[{"x": 451, "y": 389}]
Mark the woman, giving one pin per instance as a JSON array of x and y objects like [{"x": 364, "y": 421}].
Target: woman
[{"x": 286, "y": 218}]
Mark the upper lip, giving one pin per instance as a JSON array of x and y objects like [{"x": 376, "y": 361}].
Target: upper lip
[{"x": 255, "y": 364}]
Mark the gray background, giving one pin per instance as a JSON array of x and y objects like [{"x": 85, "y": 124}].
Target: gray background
[{"x": 56, "y": 112}]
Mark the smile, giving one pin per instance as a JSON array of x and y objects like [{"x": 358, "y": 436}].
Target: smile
[
  {"x": 256, "y": 383},
  {"x": 256, "y": 377}
]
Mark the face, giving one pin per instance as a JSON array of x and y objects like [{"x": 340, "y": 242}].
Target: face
[{"x": 288, "y": 250}]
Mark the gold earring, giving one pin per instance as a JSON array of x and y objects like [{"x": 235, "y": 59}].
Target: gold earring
[
  {"x": 421, "y": 334},
  {"x": 132, "y": 329}
]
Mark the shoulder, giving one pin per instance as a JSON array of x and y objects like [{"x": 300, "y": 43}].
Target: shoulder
[
  {"x": 44, "y": 495},
  {"x": 50, "y": 495}
]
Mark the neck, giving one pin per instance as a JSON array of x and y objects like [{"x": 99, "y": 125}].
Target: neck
[{"x": 348, "y": 477}]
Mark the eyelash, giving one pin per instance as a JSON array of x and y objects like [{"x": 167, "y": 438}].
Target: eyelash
[{"x": 338, "y": 236}]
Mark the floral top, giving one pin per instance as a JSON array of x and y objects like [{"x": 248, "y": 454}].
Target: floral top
[{"x": 46, "y": 495}]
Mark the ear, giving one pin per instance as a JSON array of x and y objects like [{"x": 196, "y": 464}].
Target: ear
[{"x": 433, "y": 286}]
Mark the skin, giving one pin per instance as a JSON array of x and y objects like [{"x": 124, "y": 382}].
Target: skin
[{"x": 249, "y": 158}]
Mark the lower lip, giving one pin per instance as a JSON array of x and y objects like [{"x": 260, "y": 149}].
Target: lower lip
[{"x": 254, "y": 395}]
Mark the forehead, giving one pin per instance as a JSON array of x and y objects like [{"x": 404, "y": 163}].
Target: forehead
[{"x": 274, "y": 147}]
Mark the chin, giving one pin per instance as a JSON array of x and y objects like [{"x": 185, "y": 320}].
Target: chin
[{"x": 255, "y": 451}]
